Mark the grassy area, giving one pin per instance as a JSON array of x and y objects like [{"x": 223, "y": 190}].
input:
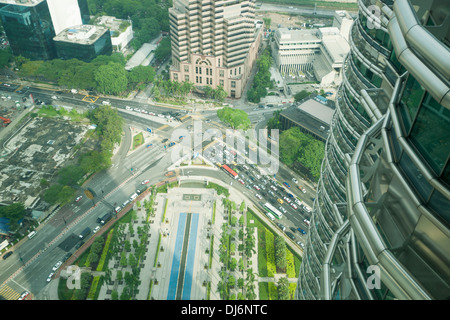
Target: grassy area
[
  {"x": 266, "y": 267},
  {"x": 50, "y": 111},
  {"x": 138, "y": 140}
]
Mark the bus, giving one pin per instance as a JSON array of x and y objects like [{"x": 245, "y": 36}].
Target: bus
[
  {"x": 230, "y": 171},
  {"x": 273, "y": 210}
]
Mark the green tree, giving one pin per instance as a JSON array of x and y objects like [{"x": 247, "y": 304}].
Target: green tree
[
  {"x": 301, "y": 95},
  {"x": 283, "y": 288},
  {"x": 235, "y": 118},
  {"x": 111, "y": 79}
]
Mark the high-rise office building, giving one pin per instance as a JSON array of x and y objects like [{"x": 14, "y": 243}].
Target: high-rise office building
[
  {"x": 30, "y": 25},
  {"x": 214, "y": 43},
  {"x": 380, "y": 221}
]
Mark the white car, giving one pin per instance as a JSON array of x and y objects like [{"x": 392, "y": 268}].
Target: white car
[
  {"x": 273, "y": 187},
  {"x": 294, "y": 180},
  {"x": 145, "y": 181},
  {"x": 293, "y": 206},
  {"x": 137, "y": 110},
  {"x": 258, "y": 196},
  {"x": 96, "y": 229},
  {"x": 300, "y": 244},
  {"x": 256, "y": 187},
  {"x": 128, "y": 108},
  {"x": 57, "y": 265},
  {"x": 282, "y": 209},
  {"x": 287, "y": 199},
  {"x": 306, "y": 221},
  {"x": 50, "y": 276}
]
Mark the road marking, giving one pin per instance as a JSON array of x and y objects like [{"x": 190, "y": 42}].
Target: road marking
[
  {"x": 90, "y": 98},
  {"x": 9, "y": 293}
]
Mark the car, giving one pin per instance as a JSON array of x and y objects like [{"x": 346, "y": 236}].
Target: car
[
  {"x": 57, "y": 265},
  {"x": 273, "y": 188},
  {"x": 281, "y": 226},
  {"x": 241, "y": 181},
  {"x": 286, "y": 184},
  {"x": 294, "y": 180},
  {"x": 96, "y": 229},
  {"x": 128, "y": 108},
  {"x": 125, "y": 203},
  {"x": 271, "y": 193},
  {"x": 67, "y": 256},
  {"x": 282, "y": 209},
  {"x": 145, "y": 181},
  {"x": 50, "y": 276},
  {"x": 287, "y": 199},
  {"x": 290, "y": 235},
  {"x": 307, "y": 222},
  {"x": 118, "y": 209},
  {"x": 78, "y": 198},
  {"x": 293, "y": 205},
  {"x": 24, "y": 295},
  {"x": 258, "y": 196},
  {"x": 6, "y": 255},
  {"x": 78, "y": 246},
  {"x": 280, "y": 201},
  {"x": 298, "y": 202},
  {"x": 256, "y": 187},
  {"x": 137, "y": 109},
  {"x": 301, "y": 230},
  {"x": 302, "y": 189},
  {"x": 300, "y": 244}
]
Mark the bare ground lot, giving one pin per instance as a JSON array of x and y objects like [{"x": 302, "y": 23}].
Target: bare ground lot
[
  {"x": 292, "y": 20},
  {"x": 36, "y": 152}
]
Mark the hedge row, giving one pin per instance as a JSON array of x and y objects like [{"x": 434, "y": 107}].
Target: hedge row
[{"x": 270, "y": 252}]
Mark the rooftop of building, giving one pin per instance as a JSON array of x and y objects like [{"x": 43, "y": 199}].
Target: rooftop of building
[
  {"x": 112, "y": 23},
  {"x": 302, "y": 35},
  {"x": 82, "y": 34},
  {"x": 28, "y": 3},
  {"x": 312, "y": 115}
]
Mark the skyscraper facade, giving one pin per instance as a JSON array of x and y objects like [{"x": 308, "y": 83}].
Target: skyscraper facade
[
  {"x": 30, "y": 25},
  {"x": 380, "y": 222},
  {"x": 214, "y": 43}
]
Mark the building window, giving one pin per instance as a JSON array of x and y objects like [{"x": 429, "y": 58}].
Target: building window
[
  {"x": 186, "y": 68},
  {"x": 186, "y": 78},
  {"x": 175, "y": 76},
  {"x": 207, "y": 71},
  {"x": 233, "y": 84},
  {"x": 221, "y": 73},
  {"x": 196, "y": 70},
  {"x": 221, "y": 82},
  {"x": 239, "y": 70},
  {"x": 196, "y": 79}
]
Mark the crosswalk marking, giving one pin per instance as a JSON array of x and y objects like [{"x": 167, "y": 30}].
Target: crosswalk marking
[{"x": 8, "y": 293}]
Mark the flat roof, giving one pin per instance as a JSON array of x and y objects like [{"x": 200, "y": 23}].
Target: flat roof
[
  {"x": 311, "y": 115},
  {"x": 27, "y": 3},
  {"x": 82, "y": 34}
]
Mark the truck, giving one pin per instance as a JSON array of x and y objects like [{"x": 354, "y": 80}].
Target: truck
[
  {"x": 105, "y": 218},
  {"x": 85, "y": 232},
  {"x": 74, "y": 91}
]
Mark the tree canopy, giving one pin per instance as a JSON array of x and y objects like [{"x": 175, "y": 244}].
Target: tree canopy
[
  {"x": 261, "y": 81},
  {"x": 298, "y": 146},
  {"x": 235, "y": 118}
]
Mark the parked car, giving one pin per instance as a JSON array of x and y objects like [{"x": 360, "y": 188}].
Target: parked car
[
  {"x": 294, "y": 180},
  {"x": 286, "y": 184},
  {"x": 300, "y": 244},
  {"x": 290, "y": 235},
  {"x": 6, "y": 255},
  {"x": 306, "y": 221},
  {"x": 302, "y": 189},
  {"x": 57, "y": 265},
  {"x": 282, "y": 209},
  {"x": 78, "y": 198},
  {"x": 301, "y": 230},
  {"x": 96, "y": 229},
  {"x": 258, "y": 196},
  {"x": 50, "y": 276}
]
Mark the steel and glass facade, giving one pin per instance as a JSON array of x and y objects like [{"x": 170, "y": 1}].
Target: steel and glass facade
[
  {"x": 29, "y": 29},
  {"x": 380, "y": 222}
]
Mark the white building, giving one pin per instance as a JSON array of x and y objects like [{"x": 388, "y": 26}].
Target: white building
[
  {"x": 320, "y": 52},
  {"x": 121, "y": 31}
]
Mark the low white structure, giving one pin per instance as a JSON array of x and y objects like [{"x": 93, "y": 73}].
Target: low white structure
[{"x": 121, "y": 31}]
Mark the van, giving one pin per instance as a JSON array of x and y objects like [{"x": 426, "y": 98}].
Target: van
[
  {"x": 133, "y": 196},
  {"x": 85, "y": 232},
  {"x": 271, "y": 217},
  {"x": 31, "y": 234},
  {"x": 106, "y": 218},
  {"x": 125, "y": 203}
]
